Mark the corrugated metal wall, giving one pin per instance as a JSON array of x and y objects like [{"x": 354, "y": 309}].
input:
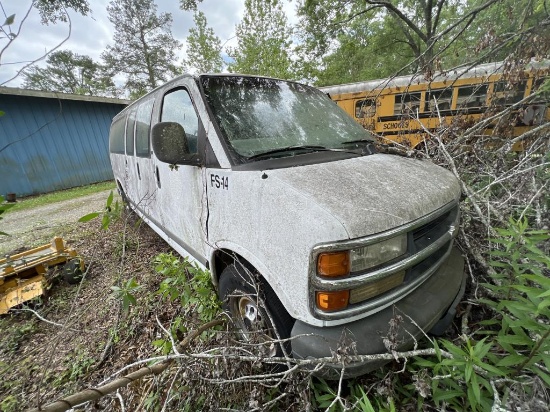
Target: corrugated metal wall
[{"x": 50, "y": 144}]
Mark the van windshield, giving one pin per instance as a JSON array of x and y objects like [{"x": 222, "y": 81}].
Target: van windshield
[{"x": 260, "y": 116}]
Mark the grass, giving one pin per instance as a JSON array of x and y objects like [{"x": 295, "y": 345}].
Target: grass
[{"x": 61, "y": 195}]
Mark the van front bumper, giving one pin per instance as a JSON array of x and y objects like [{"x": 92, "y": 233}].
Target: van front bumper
[{"x": 431, "y": 306}]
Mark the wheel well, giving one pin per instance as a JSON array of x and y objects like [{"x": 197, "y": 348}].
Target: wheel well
[
  {"x": 225, "y": 257},
  {"x": 222, "y": 259},
  {"x": 119, "y": 187}
]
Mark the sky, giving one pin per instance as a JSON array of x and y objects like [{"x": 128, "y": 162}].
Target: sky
[{"x": 91, "y": 34}]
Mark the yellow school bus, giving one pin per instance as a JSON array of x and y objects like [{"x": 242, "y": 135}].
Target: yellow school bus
[{"x": 406, "y": 109}]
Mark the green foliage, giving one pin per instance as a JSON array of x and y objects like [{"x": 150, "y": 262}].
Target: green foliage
[
  {"x": 516, "y": 345},
  {"x": 109, "y": 214},
  {"x": 77, "y": 367},
  {"x": 52, "y": 11},
  {"x": 521, "y": 297},
  {"x": 192, "y": 287},
  {"x": 263, "y": 41},
  {"x": 69, "y": 72},
  {"x": 4, "y": 207},
  {"x": 356, "y": 399},
  {"x": 126, "y": 293},
  {"x": 203, "y": 47},
  {"x": 9, "y": 404},
  {"x": 144, "y": 48}
]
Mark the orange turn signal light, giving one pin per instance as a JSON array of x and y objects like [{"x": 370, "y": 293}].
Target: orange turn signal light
[
  {"x": 333, "y": 264},
  {"x": 330, "y": 301}
]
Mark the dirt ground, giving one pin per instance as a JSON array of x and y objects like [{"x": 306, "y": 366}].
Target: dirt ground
[
  {"x": 77, "y": 334},
  {"x": 32, "y": 227}
]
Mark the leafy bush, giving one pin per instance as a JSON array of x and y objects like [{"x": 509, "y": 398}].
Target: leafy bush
[
  {"x": 192, "y": 286},
  {"x": 4, "y": 207},
  {"x": 514, "y": 351}
]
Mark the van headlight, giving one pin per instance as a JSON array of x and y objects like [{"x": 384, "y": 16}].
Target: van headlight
[
  {"x": 367, "y": 257},
  {"x": 337, "y": 264}
]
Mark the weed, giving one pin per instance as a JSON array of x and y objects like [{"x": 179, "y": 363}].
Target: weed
[
  {"x": 192, "y": 286},
  {"x": 9, "y": 404},
  {"x": 126, "y": 293},
  {"x": 110, "y": 213},
  {"x": 515, "y": 346},
  {"x": 12, "y": 339},
  {"x": 4, "y": 207}
]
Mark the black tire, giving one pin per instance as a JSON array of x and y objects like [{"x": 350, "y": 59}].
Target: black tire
[
  {"x": 72, "y": 273},
  {"x": 257, "y": 313}
]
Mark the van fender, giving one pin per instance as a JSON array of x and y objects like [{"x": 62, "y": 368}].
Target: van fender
[{"x": 234, "y": 252}]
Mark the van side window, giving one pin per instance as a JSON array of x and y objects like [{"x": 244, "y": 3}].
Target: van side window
[
  {"x": 130, "y": 133},
  {"x": 143, "y": 127},
  {"x": 116, "y": 136},
  {"x": 177, "y": 107}
]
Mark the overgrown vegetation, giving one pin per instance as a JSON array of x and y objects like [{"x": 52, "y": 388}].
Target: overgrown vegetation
[{"x": 137, "y": 301}]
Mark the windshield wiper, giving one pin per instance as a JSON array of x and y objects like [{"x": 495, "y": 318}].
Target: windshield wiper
[
  {"x": 307, "y": 148},
  {"x": 366, "y": 145},
  {"x": 357, "y": 141}
]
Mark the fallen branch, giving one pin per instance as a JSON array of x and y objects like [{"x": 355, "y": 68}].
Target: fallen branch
[{"x": 93, "y": 394}]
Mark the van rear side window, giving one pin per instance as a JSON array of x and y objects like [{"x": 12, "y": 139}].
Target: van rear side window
[
  {"x": 143, "y": 127},
  {"x": 116, "y": 136},
  {"x": 130, "y": 133}
]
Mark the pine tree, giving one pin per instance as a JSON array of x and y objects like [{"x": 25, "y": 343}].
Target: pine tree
[
  {"x": 69, "y": 72},
  {"x": 144, "y": 49}
]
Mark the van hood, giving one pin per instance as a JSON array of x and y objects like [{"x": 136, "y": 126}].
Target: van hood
[{"x": 375, "y": 193}]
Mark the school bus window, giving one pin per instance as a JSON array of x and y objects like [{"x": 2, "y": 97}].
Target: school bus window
[
  {"x": 143, "y": 126},
  {"x": 130, "y": 133},
  {"x": 505, "y": 93},
  {"x": 474, "y": 96},
  {"x": 438, "y": 100},
  {"x": 365, "y": 108},
  {"x": 407, "y": 103}
]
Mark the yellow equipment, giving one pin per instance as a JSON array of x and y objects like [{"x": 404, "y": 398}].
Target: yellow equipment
[{"x": 23, "y": 275}]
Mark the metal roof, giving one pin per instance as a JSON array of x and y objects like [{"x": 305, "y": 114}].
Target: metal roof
[{"x": 14, "y": 91}]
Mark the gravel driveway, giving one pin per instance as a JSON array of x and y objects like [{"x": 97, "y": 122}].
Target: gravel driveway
[{"x": 33, "y": 227}]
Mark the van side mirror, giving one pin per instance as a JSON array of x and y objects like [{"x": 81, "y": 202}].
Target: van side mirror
[{"x": 170, "y": 142}]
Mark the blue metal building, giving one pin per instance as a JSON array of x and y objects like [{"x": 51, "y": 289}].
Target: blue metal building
[{"x": 51, "y": 141}]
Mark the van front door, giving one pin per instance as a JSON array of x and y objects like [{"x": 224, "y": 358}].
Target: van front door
[{"x": 181, "y": 204}]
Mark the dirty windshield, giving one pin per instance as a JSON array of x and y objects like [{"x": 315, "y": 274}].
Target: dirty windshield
[{"x": 265, "y": 118}]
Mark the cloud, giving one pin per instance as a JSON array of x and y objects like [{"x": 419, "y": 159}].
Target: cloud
[{"x": 91, "y": 34}]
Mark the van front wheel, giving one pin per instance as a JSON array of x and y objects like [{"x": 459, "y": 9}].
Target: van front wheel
[{"x": 257, "y": 314}]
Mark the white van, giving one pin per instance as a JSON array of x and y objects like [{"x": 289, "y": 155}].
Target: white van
[{"x": 308, "y": 233}]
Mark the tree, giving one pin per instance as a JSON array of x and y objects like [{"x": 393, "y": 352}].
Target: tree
[
  {"x": 144, "y": 48},
  {"x": 51, "y": 11},
  {"x": 427, "y": 28},
  {"x": 68, "y": 72},
  {"x": 203, "y": 47},
  {"x": 264, "y": 40}
]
